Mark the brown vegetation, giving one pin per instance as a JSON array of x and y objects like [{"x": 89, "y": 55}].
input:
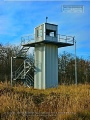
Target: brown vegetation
[{"x": 62, "y": 103}]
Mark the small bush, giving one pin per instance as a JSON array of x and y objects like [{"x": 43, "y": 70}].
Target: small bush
[{"x": 37, "y": 99}]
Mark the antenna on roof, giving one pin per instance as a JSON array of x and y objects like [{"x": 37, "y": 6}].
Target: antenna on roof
[{"x": 46, "y": 19}]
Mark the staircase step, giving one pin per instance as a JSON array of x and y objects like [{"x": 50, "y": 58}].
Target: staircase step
[{"x": 23, "y": 51}]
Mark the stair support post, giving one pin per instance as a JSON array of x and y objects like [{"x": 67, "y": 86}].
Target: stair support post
[
  {"x": 24, "y": 69},
  {"x": 11, "y": 71},
  {"x": 24, "y": 72}
]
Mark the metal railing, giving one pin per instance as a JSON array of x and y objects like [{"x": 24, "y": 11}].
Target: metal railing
[
  {"x": 65, "y": 39},
  {"x": 27, "y": 39},
  {"x": 29, "y": 80},
  {"x": 22, "y": 52},
  {"x": 18, "y": 72},
  {"x": 60, "y": 38}
]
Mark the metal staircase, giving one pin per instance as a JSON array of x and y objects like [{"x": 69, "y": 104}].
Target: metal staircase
[
  {"x": 23, "y": 51},
  {"x": 27, "y": 67},
  {"x": 22, "y": 73}
]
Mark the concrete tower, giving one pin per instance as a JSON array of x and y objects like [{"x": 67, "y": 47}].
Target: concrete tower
[{"x": 46, "y": 56}]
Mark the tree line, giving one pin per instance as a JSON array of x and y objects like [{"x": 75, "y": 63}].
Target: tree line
[
  {"x": 66, "y": 66},
  {"x": 67, "y": 69}
]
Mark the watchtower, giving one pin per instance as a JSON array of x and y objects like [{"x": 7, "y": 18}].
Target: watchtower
[
  {"x": 46, "y": 56},
  {"x": 46, "y": 43}
]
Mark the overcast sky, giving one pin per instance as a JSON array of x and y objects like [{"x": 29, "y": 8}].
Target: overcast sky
[{"x": 18, "y": 18}]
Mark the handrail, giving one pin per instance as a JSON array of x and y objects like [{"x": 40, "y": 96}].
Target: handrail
[
  {"x": 21, "y": 66},
  {"x": 20, "y": 74},
  {"x": 65, "y": 39},
  {"x": 30, "y": 78},
  {"x": 27, "y": 38},
  {"x": 19, "y": 71},
  {"x": 30, "y": 63}
]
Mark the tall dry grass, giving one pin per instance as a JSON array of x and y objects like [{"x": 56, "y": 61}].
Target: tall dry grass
[{"x": 63, "y": 103}]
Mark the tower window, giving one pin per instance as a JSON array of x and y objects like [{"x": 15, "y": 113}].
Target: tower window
[
  {"x": 51, "y": 33},
  {"x": 39, "y": 33}
]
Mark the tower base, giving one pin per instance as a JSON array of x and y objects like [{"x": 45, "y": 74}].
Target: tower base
[{"x": 46, "y": 63}]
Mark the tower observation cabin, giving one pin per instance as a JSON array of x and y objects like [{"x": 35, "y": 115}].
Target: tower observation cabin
[{"x": 46, "y": 42}]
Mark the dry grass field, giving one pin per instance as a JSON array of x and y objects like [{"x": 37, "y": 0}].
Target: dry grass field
[{"x": 67, "y": 102}]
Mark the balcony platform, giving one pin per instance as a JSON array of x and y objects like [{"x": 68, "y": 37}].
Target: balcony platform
[{"x": 59, "y": 44}]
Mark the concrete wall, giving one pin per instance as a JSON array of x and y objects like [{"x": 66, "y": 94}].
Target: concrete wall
[
  {"x": 46, "y": 62},
  {"x": 51, "y": 66},
  {"x": 39, "y": 33},
  {"x": 39, "y": 75}
]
